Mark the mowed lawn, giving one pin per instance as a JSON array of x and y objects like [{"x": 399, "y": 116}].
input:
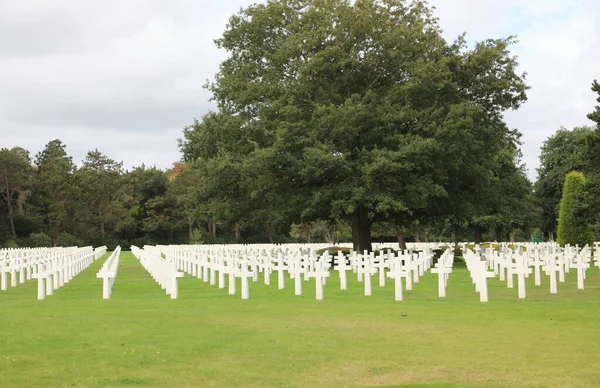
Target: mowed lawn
[{"x": 207, "y": 338}]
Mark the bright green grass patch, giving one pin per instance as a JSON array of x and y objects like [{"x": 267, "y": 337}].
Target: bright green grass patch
[{"x": 207, "y": 338}]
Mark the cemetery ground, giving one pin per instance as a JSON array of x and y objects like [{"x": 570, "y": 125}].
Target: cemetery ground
[{"x": 207, "y": 338}]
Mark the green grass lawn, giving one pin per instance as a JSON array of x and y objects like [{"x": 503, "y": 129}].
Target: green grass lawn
[{"x": 207, "y": 338}]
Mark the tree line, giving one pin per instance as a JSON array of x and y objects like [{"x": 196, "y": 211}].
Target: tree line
[
  {"x": 334, "y": 121},
  {"x": 48, "y": 200},
  {"x": 571, "y": 159}
]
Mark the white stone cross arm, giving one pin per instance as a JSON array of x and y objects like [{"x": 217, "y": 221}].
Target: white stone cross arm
[
  {"x": 173, "y": 286},
  {"x": 580, "y": 265},
  {"x": 319, "y": 273},
  {"x": 442, "y": 272},
  {"x": 397, "y": 273},
  {"x": 244, "y": 273}
]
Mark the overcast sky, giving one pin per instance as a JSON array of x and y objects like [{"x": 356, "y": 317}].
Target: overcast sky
[{"x": 125, "y": 76}]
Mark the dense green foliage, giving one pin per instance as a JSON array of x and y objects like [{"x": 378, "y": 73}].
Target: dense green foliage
[
  {"x": 49, "y": 201},
  {"x": 570, "y": 150},
  {"x": 16, "y": 179},
  {"x": 573, "y": 226},
  {"x": 565, "y": 151},
  {"x": 330, "y": 110}
]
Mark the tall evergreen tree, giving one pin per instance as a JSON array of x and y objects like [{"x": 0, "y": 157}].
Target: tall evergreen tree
[
  {"x": 563, "y": 152},
  {"x": 595, "y": 115},
  {"x": 573, "y": 218},
  {"x": 101, "y": 181},
  {"x": 57, "y": 188}
]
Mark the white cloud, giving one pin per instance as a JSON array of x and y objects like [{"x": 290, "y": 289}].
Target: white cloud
[
  {"x": 559, "y": 48},
  {"x": 114, "y": 75}
]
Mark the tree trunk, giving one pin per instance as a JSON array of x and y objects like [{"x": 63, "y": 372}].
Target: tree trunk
[
  {"x": 102, "y": 231},
  {"x": 190, "y": 228},
  {"x": 55, "y": 233},
  {"x": 10, "y": 208},
  {"x": 512, "y": 236},
  {"x": 22, "y": 197},
  {"x": 551, "y": 236},
  {"x": 328, "y": 234},
  {"x": 238, "y": 235},
  {"x": 361, "y": 230},
  {"x": 101, "y": 218},
  {"x": 418, "y": 236},
  {"x": 214, "y": 229},
  {"x": 478, "y": 237},
  {"x": 11, "y": 221},
  {"x": 453, "y": 235},
  {"x": 333, "y": 230},
  {"x": 269, "y": 231},
  {"x": 401, "y": 239}
]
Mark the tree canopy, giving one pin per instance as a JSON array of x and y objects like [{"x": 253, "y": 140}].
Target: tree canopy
[
  {"x": 563, "y": 152},
  {"x": 332, "y": 109}
]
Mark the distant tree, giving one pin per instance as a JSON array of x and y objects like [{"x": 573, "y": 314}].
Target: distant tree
[
  {"x": 16, "y": 179},
  {"x": 595, "y": 115},
  {"x": 593, "y": 157},
  {"x": 184, "y": 187},
  {"x": 101, "y": 181},
  {"x": 573, "y": 219},
  {"x": 38, "y": 240},
  {"x": 68, "y": 240},
  {"x": 219, "y": 148},
  {"x": 57, "y": 187},
  {"x": 178, "y": 168},
  {"x": 565, "y": 151},
  {"x": 143, "y": 185},
  {"x": 506, "y": 204}
]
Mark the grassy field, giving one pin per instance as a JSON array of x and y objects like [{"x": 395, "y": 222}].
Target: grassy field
[{"x": 208, "y": 338}]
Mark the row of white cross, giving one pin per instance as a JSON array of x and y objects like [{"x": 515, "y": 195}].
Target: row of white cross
[
  {"x": 508, "y": 262},
  {"x": 162, "y": 271},
  {"x": 21, "y": 263},
  {"x": 52, "y": 267},
  {"x": 100, "y": 251},
  {"x": 53, "y": 274},
  {"x": 214, "y": 264},
  {"x": 108, "y": 272}
]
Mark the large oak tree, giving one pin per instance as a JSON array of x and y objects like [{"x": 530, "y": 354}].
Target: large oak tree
[{"x": 359, "y": 110}]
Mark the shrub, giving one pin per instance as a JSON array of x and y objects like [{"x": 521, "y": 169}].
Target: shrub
[
  {"x": 112, "y": 242},
  {"x": 11, "y": 244},
  {"x": 197, "y": 237},
  {"x": 68, "y": 240},
  {"x": 141, "y": 241},
  {"x": 573, "y": 227},
  {"x": 125, "y": 245},
  {"x": 38, "y": 240},
  {"x": 537, "y": 233}
]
